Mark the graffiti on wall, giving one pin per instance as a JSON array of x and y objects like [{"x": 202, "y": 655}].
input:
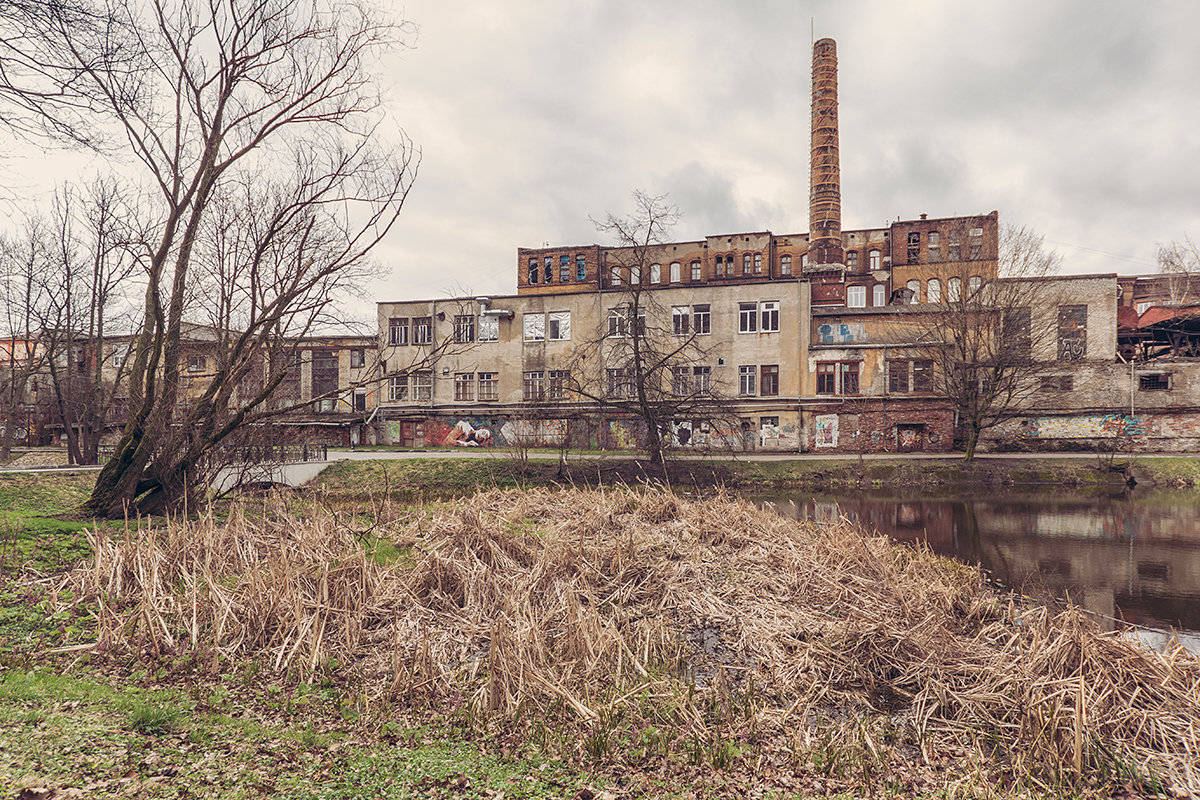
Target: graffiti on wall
[
  {"x": 535, "y": 432},
  {"x": 826, "y": 430},
  {"x": 463, "y": 434},
  {"x": 1097, "y": 426},
  {"x": 842, "y": 333}
]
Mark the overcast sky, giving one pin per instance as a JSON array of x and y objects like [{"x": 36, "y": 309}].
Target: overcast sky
[{"x": 1079, "y": 119}]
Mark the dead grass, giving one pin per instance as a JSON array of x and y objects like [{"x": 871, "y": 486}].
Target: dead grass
[{"x": 643, "y": 621}]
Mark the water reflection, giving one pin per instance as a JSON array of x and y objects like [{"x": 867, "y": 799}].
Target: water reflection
[{"x": 1135, "y": 558}]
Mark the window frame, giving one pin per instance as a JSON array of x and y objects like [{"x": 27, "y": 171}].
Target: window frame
[
  {"x": 533, "y": 386},
  {"x": 747, "y": 380},
  {"x": 748, "y": 317},
  {"x": 398, "y": 331},
  {"x": 558, "y": 326},
  {"x": 464, "y": 387},
  {"x": 768, "y": 311},
  {"x": 858, "y": 291},
  {"x": 768, "y": 380},
  {"x": 533, "y": 326},
  {"x": 422, "y": 330},
  {"x": 702, "y": 319},
  {"x": 464, "y": 328},
  {"x": 489, "y": 386}
]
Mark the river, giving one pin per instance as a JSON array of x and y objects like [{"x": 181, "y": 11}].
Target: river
[{"x": 1132, "y": 557}]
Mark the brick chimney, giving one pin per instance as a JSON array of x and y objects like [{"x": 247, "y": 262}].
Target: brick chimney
[{"x": 825, "y": 182}]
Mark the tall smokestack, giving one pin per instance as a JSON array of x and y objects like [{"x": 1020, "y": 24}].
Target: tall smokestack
[{"x": 825, "y": 183}]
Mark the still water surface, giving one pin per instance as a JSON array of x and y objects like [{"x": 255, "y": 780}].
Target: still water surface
[{"x": 1133, "y": 557}]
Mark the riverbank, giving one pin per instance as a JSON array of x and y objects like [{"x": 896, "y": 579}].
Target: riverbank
[
  {"x": 415, "y": 474},
  {"x": 582, "y": 643}
]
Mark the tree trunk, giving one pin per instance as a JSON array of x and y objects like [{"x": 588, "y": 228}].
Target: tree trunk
[{"x": 972, "y": 441}]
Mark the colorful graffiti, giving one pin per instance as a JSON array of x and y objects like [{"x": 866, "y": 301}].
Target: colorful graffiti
[
  {"x": 842, "y": 333},
  {"x": 536, "y": 432},
  {"x": 463, "y": 434},
  {"x": 1106, "y": 426},
  {"x": 826, "y": 434}
]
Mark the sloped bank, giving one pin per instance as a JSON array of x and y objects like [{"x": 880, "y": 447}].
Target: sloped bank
[{"x": 635, "y": 629}]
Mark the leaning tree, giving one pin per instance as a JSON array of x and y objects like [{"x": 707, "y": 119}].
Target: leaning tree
[{"x": 263, "y": 106}]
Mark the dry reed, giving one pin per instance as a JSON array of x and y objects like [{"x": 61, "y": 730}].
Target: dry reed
[{"x": 710, "y": 616}]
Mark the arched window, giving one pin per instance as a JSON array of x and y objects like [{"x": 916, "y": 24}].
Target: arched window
[
  {"x": 954, "y": 290},
  {"x": 720, "y": 270},
  {"x": 655, "y": 273},
  {"x": 879, "y": 295},
  {"x": 758, "y": 263},
  {"x": 973, "y": 285},
  {"x": 533, "y": 270},
  {"x": 615, "y": 279},
  {"x": 745, "y": 263},
  {"x": 695, "y": 270},
  {"x": 635, "y": 275},
  {"x": 785, "y": 265},
  {"x": 804, "y": 261},
  {"x": 873, "y": 260},
  {"x": 914, "y": 286},
  {"x": 934, "y": 293},
  {"x": 674, "y": 272}
]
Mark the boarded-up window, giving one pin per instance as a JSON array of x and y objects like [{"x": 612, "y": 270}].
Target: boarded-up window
[{"x": 1072, "y": 333}]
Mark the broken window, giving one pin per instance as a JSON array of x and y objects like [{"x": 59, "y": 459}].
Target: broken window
[
  {"x": 933, "y": 292},
  {"x": 549, "y": 271},
  {"x": 922, "y": 375},
  {"x": 914, "y": 287},
  {"x": 620, "y": 382},
  {"x": 1072, "y": 333},
  {"x": 398, "y": 388},
  {"x": 533, "y": 270},
  {"x": 580, "y": 267},
  {"x": 489, "y": 328},
  {"x": 1155, "y": 382},
  {"x": 534, "y": 327},
  {"x": 745, "y": 263},
  {"x": 954, "y": 246},
  {"x": 758, "y": 263},
  {"x": 975, "y": 244},
  {"x": 324, "y": 379},
  {"x": 464, "y": 328},
  {"x": 1016, "y": 332},
  {"x": 935, "y": 246},
  {"x": 702, "y": 379},
  {"x": 914, "y": 248},
  {"x": 398, "y": 331},
  {"x": 557, "y": 383},
  {"x": 559, "y": 323},
  {"x": 898, "y": 377},
  {"x": 954, "y": 290},
  {"x": 681, "y": 381},
  {"x": 564, "y": 268},
  {"x": 422, "y": 330}
]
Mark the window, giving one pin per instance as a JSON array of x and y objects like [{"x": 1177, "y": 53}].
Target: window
[
  {"x": 1015, "y": 330},
  {"x": 324, "y": 375},
  {"x": 196, "y": 363},
  {"x": 804, "y": 261},
  {"x": 933, "y": 294},
  {"x": 879, "y": 295},
  {"x": 549, "y": 270},
  {"x": 922, "y": 378},
  {"x": 770, "y": 316},
  {"x": 559, "y": 324},
  {"x": 747, "y": 379},
  {"x": 618, "y": 321},
  {"x": 849, "y": 376},
  {"x": 1072, "y": 333},
  {"x": 615, "y": 277},
  {"x": 914, "y": 248},
  {"x": 464, "y": 328},
  {"x": 360, "y": 399},
  {"x": 768, "y": 379},
  {"x": 422, "y": 386},
  {"x": 954, "y": 246},
  {"x": 701, "y": 319},
  {"x": 422, "y": 330},
  {"x": 954, "y": 290},
  {"x": 973, "y": 285},
  {"x": 837, "y": 377},
  {"x": 398, "y": 388},
  {"x": 564, "y": 268},
  {"x": 358, "y": 358},
  {"x": 1158, "y": 382},
  {"x": 533, "y": 270},
  {"x": 635, "y": 275},
  {"x": 758, "y": 263},
  {"x": 914, "y": 286},
  {"x": 489, "y": 386},
  {"x": 720, "y": 270},
  {"x": 695, "y": 270},
  {"x": 620, "y": 382},
  {"x": 856, "y": 296},
  {"x": 656, "y": 273},
  {"x": 534, "y": 386},
  {"x": 464, "y": 387},
  {"x": 873, "y": 260},
  {"x": 935, "y": 246},
  {"x": 534, "y": 326},
  {"x": 745, "y": 263},
  {"x": 398, "y": 331},
  {"x": 1142, "y": 306},
  {"x": 674, "y": 272},
  {"x": 558, "y": 382},
  {"x": 702, "y": 380},
  {"x": 580, "y": 267},
  {"x": 747, "y": 317},
  {"x": 898, "y": 376},
  {"x": 1056, "y": 383},
  {"x": 681, "y": 381},
  {"x": 975, "y": 244},
  {"x": 681, "y": 317},
  {"x": 852, "y": 260},
  {"x": 489, "y": 328}
]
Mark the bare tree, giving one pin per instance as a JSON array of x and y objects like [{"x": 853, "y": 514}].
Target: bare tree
[
  {"x": 645, "y": 361},
  {"x": 24, "y": 305},
  {"x": 266, "y": 105},
  {"x": 1179, "y": 262},
  {"x": 981, "y": 340}
]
